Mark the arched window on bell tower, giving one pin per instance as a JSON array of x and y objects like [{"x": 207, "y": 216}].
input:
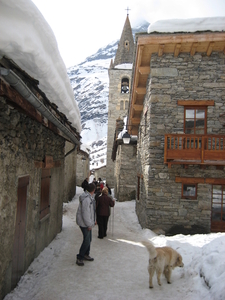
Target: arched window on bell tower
[
  {"x": 127, "y": 45},
  {"x": 125, "y": 85}
]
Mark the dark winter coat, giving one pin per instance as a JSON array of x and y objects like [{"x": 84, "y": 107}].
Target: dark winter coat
[
  {"x": 103, "y": 204},
  {"x": 84, "y": 184}
]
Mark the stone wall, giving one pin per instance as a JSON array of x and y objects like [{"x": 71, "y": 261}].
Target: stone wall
[
  {"x": 83, "y": 167},
  {"x": 100, "y": 173},
  {"x": 70, "y": 172},
  {"x": 115, "y": 112},
  {"x": 125, "y": 173},
  {"x": 23, "y": 142},
  {"x": 198, "y": 77}
]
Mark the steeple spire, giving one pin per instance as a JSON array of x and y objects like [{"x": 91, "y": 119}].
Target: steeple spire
[{"x": 125, "y": 49}]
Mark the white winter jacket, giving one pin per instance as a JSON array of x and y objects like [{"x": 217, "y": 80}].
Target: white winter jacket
[{"x": 86, "y": 210}]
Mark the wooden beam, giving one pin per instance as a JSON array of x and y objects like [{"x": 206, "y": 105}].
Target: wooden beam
[
  {"x": 140, "y": 90},
  {"x": 14, "y": 97},
  {"x": 210, "y": 49},
  {"x": 144, "y": 70},
  {"x": 135, "y": 121},
  {"x": 138, "y": 107},
  {"x": 140, "y": 175},
  {"x": 177, "y": 50},
  {"x": 180, "y": 38},
  {"x": 189, "y": 180},
  {"x": 161, "y": 49},
  {"x": 215, "y": 180},
  {"x": 193, "y": 48},
  {"x": 196, "y": 102}
]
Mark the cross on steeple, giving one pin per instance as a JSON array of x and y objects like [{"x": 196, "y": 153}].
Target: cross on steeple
[{"x": 127, "y": 9}]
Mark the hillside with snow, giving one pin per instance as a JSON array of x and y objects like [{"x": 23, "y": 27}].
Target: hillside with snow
[{"x": 90, "y": 83}]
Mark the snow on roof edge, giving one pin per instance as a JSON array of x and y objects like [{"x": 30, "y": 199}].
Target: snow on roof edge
[
  {"x": 188, "y": 25},
  {"x": 125, "y": 66},
  {"x": 29, "y": 41}
]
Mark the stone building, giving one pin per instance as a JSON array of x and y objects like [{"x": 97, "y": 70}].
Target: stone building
[
  {"x": 37, "y": 171},
  {"x": 83, "y": 164},
  {"x": 179, "y": 81},
  {"x": 99, "y": 172},
  {"x": 119, "y": 87}
]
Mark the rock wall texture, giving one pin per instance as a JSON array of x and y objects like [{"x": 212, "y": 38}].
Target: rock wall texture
[{"x": 24, "y": 145}]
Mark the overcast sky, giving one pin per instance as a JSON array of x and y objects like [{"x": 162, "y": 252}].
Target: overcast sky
[{"x": 82, "y": 27}]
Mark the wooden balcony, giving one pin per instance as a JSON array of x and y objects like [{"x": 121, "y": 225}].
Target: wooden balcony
[{"x": 189, "y": 149}]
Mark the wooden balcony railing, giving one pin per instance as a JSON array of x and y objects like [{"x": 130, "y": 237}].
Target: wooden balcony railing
[{"x": 194, "y": 149}]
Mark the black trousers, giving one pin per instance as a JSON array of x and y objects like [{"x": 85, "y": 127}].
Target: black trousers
[{"x": 102, "y": 225}]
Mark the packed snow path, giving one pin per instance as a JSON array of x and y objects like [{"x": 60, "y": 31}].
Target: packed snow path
[{"x": 119, "y": 270}]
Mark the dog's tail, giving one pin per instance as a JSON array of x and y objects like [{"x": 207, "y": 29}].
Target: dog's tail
[{"x": 151, "y": 249}]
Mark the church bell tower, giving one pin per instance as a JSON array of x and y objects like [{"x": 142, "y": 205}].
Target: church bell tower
[{"x": 120, "y": 72}]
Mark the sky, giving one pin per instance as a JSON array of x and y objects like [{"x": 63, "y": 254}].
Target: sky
[
  {"x": 82, "y": 27},
  {"x": 119, "y": 270}
]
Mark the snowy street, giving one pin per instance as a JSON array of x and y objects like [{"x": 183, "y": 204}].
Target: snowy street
[{"x": 119, "y": 269}]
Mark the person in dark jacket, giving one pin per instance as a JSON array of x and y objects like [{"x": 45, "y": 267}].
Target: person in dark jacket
[
  {"x": 98, "y": 192},
  {"x": 103, "y": 204},
  {"x": 109, "y": 190},
  {"x": 95, "y": 182},
  {"x": 84, "y": 184}
]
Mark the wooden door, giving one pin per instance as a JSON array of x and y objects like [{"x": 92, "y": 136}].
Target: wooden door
[
  {"x": 218, "y": 208},
  {"x": 19, "y": 237}
]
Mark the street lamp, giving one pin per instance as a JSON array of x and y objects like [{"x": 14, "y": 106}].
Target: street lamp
[{"x": 126, "y": 138}]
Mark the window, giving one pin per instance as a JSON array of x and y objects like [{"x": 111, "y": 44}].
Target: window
[
  {"x": 218, "y": 203},
  {"x": 125, "y": 85},
  {"x": 139, "y": 185},
  {"x": 127, "y": 44},
  {"x": 195, "y": 120},
  {"x": 189, "y": 191},
  {"x": 121, "y": 105},
  {"x": 195, "y": 115}
]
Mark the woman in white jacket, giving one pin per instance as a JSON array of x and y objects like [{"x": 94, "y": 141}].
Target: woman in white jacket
[{"x": 85, "y": 218}]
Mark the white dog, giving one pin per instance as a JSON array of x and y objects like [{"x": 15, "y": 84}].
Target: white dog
[{"x": 162, "y": 260}]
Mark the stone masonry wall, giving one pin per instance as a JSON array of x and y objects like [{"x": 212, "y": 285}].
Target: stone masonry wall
[
  {"x": 198, "y": 77},
  {"x": 70, "y": 172},
  {"x": 125, "y": 173},
  {"x": 22, "y": 142}
]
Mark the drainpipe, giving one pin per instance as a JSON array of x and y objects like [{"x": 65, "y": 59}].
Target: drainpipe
[{"x": 14, "y": 80}]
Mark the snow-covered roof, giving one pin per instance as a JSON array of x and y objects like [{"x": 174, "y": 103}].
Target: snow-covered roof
[
  {"x": 27, "y": 39},
  {"x": 85, "y": 148},
  {"x": 188, "y": 25},
  {"x": 124, "y": 66}
]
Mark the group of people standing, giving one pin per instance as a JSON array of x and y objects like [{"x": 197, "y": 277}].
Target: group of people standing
[{"x": 94, "y": 208}]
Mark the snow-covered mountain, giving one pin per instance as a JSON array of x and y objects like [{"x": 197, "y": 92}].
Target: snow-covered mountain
[{"x": 90, "y": 84}]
